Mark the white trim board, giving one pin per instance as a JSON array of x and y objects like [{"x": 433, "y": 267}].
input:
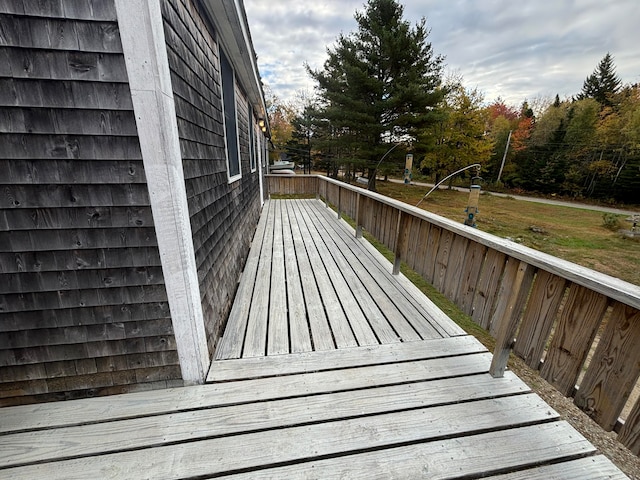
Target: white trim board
[{"x": 144, "y": 47}]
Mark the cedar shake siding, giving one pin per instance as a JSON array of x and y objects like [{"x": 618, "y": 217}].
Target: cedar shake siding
[
  {"x": 86, "y": 305},
  {"x": 223, "y": 215}
]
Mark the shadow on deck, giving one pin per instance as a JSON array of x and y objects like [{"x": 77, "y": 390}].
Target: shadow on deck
[{"x": 330, "y": 367}]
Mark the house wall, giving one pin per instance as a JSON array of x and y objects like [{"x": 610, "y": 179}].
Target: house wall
[
  {"x": 83, "y": 306},
  {"x": 223, "y": 215}
]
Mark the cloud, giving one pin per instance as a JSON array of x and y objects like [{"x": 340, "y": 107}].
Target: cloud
[{"x": 506, "y": 49}]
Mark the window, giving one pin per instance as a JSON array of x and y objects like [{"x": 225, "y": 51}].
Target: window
[{"x": 230, "y": 121}]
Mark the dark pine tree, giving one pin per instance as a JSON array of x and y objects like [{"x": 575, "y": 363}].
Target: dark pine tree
[
  {"x": 379, "y": 84},
  {"x": 603, "y": 83}
]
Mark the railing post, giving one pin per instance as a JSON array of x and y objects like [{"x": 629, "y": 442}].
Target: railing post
[
  {"x": 339, "y": 203},
  {"x": 326, "y": 195},
  {"x": 359, "y": 216},
  {"x": 515, "y": 290},
  {"x": 401, "y": 241}
]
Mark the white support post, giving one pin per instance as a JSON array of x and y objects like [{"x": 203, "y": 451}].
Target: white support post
[{"x": 145, "y": 51}]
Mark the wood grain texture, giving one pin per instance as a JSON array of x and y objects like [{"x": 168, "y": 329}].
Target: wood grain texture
[
  {"x": 278, "y": 327},
  {"x": 257, "y": 367},
  {"x": 519, "y": 448},
  {"x": 320, "y": 331},
  {"x": 614, "y": 368},
  {"x": 514, "y": 291},
  {"x": 422, "y": 243},
  {"x": 380, "y": 297},
  {"x": 455, "y": 266},
  {"x": 413, "y": 304},
  {"x": 630, "y": 433},
  {"x": 442, "y": 260},
  {"x": 410, "y": 256},
  {"x": 230, "y": 346},
  {"x": 84, "y": 440},
  {"x": 354, "y": 318},
  {"x": 340, "y": 329},
  {"x": 474, "y": 259},
  {"x": 298, "y": 324},
  {"x": 484, "y": 299},
  {"x": 255, "y": 339},
  {"x": 373, "y": 320},
  {"x": 512, "y": 295},
  {"x": 339, "y": 274},
  {"x": 576, "y": 329},
  {"x": 431, "y": 253},
  {"x": 539, "y": 316},
  {"x": 590, "y": 468},
  {"x": 33, "y": 417},
  {"x": 407, "y": 409},
  {"x": 252, "y": 450}
]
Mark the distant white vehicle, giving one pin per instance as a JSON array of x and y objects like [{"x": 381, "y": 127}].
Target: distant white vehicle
[
  {"x": 282, "y": 171},
  {"x": 281, "y": 165}
]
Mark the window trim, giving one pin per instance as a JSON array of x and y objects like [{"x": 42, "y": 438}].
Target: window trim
[
  {"x": 229, "y": 103},
  {"x": 253, "y": 146}
]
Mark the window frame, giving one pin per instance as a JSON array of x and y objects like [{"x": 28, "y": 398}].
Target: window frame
[
  {"x": 253, "y": 142},
  {"x": 230, "y": 109}
]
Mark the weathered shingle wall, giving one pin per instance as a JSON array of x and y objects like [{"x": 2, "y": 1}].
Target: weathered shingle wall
[
  {"x": 223, "y": 216},
  {"x": 82, "y": 301}
]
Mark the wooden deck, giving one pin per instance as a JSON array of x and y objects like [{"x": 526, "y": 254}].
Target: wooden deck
[
  {"x": 370, "y": 405},
  {"x": 310, "y": 285}
]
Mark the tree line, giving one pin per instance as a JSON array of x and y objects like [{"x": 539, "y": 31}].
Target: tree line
[{"x": 382, "y": 93}]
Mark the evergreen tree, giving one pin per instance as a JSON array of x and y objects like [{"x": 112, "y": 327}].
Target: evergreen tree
[
  {"x": 298, "y": 148},
  {"x": 379, "y": 84},
  {"x": 603, "y": 83}
]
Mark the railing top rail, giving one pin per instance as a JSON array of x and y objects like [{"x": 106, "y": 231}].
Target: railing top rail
[{"x": 607, "y": 285}]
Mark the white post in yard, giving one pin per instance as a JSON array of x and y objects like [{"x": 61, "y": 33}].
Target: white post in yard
[{"x": 145, "y": 51}]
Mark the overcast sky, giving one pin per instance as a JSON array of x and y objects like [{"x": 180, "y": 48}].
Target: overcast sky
[{"x": 516, "y": 50}]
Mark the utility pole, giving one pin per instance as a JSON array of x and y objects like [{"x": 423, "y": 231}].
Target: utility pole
[{"x": 504, "y": 157}]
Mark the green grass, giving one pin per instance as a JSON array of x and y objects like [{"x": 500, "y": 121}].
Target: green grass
[{"x": 576, "y": 235}]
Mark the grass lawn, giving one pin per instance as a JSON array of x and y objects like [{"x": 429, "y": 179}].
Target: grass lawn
[{"x": 572, "y": 234}]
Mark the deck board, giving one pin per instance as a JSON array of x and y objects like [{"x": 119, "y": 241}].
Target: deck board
[
  {"x": 257, "y": 367},
  {"x": 408, "y": 299},
  {"x": 298, "y": 324},
  {"x": 295, "y": 444},
  {"x": 413, "y": 408},
  {"x": 230, "y": 346},
  {"x": 316, "y": 402},
  {"x": 589, "y": 468},
  {"x": 319, "y": 329},
  {"x": 255, "y": 340},
  {"x": 338, "y": 272},
  {"x": 385, "y": 318},
  {"x": 278, "y": 328},
  {"x": 313, "y": 286},
  {"x": 466, "y": 457}
]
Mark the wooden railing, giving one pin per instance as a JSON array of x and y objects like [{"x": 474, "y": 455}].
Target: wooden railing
[{"x": 556, "y": 309}]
